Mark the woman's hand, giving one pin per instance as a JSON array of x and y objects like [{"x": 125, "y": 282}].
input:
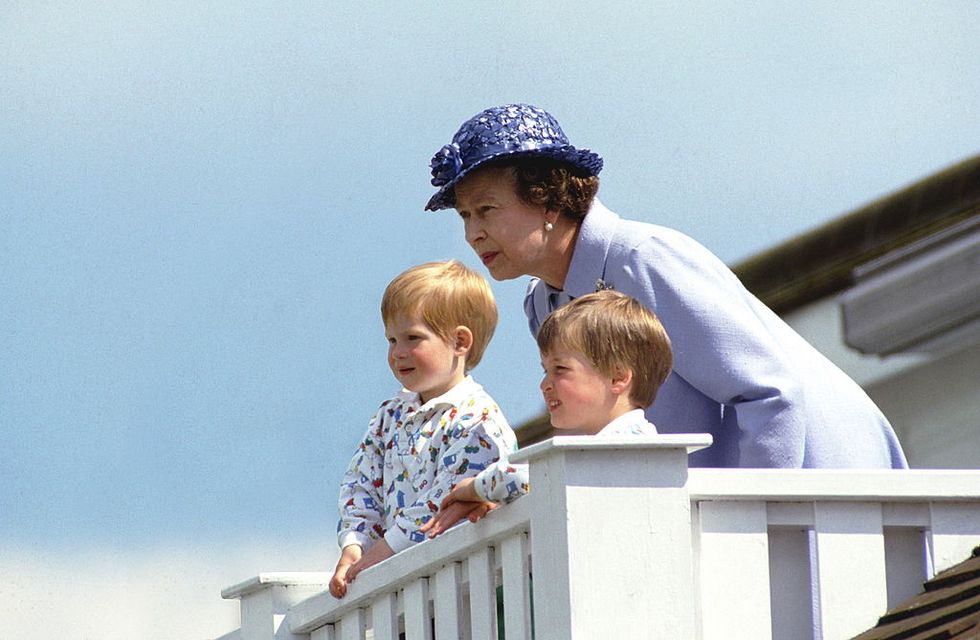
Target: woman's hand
[
  {"x": 462, "y": 502},
  {"x": 348, "y": 557}
]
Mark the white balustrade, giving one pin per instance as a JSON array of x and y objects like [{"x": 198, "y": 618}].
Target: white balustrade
[{"x": 619, "y": 539}]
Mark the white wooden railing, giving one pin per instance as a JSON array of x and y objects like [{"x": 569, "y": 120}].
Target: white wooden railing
[{"x": 625, "y": 542}]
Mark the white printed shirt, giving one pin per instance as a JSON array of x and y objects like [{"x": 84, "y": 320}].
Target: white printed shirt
[
  {"x": 503, "y": 482},
  {"x": 631, "y": 423},
  {"x": 411, "y": 456}
]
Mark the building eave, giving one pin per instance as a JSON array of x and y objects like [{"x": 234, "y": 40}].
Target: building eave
[{"x": 820, "y": 262}]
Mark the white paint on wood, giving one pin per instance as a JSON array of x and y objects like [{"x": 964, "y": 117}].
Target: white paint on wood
[
  {"x": 483, "y": 596},
  {"x": 734, "y": 570},
  {"x": 447, "y": 602},
  {"x": 955, "y": 532},
  {"x": 263, "y": 611},
  {"x": 587, "y": 584},
  {"x": 417, "y": 624},
  {"x": 811, "y": 485},
  {"x": 353, "y": 625},
  {"x": 790, "y": 584},
  {"x": 592, "y": 582},
  {"x": 850, "y": 567},
  {"x": 905, "y": 563},
  {"x": 302, "y": 581},
  {"x": 790, "y": 514},
  {"x": 326, "y": 632},
  {"x": 517, "y": 601},
  {"x": 905, "y": 514},
  {"x": 422, "y": 560},
  {"x": 384, "y": 617}
]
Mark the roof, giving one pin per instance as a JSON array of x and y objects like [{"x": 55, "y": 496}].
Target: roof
[
  {"x": 948, "y": 609},
  {"x": 820, "y": 262}
]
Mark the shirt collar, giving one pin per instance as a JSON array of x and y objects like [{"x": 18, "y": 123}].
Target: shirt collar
[
  {"x": 455, "y": 396},
  {"x": 630, "y": 417}
]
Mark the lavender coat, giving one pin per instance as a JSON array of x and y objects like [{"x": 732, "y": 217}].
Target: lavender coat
[{"x": 768, "y": 398}]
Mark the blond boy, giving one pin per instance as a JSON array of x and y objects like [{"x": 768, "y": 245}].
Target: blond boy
[
  {"x": 604, "y": 356},
  {"x": 440, "y": 429}
]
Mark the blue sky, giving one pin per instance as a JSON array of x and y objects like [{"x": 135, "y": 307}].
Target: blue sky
[{"x": 201, "y": 203}]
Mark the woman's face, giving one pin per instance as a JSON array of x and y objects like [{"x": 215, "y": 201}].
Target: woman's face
[{"x": 507, "y": 233}]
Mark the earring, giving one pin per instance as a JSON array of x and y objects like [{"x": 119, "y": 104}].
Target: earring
[{"x": 548, "y": 226}]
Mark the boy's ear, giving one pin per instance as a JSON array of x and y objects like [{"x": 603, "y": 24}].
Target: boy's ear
[
  {"x": 622, "y": 379},
  {"x": 462, "y": 340}
]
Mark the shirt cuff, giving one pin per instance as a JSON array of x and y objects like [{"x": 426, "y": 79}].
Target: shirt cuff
[
  {"x": 354, "y": 537},
  {"x": 481, "y": 483},
  {"x": 397, "y": 539}
]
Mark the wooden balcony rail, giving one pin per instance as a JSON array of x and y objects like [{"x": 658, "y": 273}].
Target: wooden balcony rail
[{"x": 618, "y": 539}]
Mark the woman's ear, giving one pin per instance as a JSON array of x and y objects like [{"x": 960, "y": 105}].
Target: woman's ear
[
  {"x": 622, "y": 380},
  {"x": 463, "y": 340}
]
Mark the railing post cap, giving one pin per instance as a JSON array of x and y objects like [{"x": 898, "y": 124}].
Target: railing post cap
[
  {"x": 690, "y": 442},
  {"x": 276, "y": 579}
]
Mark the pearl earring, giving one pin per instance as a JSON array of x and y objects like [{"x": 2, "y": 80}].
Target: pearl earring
[{"x": 548, "y": 226}]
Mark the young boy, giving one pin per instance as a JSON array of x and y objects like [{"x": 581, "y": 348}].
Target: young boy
[
  {"x": 440, "y": 429},
  {"x": 604, "y": 356}
]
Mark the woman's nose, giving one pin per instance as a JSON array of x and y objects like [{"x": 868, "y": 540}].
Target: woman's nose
[{"x": 472, "y": 230}]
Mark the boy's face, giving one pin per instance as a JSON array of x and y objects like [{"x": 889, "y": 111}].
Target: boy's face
[
  {"x": 577, "y": 395},
  {"x": 420, "y": 359}
]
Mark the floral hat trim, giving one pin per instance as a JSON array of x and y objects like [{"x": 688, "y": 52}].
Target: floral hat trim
[{"x": 513, "y": 129}]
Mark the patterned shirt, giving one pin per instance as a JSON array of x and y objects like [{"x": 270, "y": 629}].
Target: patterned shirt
[
  {"x": 411, "y": 456},
  {"x": 503, "y": 482}
]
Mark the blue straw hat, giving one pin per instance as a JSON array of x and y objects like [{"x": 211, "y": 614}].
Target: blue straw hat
[{"x": 509, "y": 130}]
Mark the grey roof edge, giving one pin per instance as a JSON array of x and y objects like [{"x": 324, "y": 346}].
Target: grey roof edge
[{"x": 820, "y": 262}]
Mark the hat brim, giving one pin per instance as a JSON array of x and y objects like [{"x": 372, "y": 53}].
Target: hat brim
[{"x": 583, "y": 159}]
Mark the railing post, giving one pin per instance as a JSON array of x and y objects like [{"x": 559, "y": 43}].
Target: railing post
[
  {"x": 265, "y": 599},
  {"x": 611, "y": 537}
]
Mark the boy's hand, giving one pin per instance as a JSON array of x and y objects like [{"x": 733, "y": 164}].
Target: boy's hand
[
  {"x": 348, "y": 557},
  {"x": 462, "y": 502},
  {"x": 380, "y": 551}
]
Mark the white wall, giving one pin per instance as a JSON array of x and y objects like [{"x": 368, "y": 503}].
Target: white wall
[
  {"x": 935, "y": 410},
  {"x": 932, "y": 401}
]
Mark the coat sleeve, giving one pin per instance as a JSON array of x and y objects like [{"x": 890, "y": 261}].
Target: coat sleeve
[
  {"x": 360, "y": 504},
  {"x": 472, "y": 440},
  {"x": 723, "y": 344}
]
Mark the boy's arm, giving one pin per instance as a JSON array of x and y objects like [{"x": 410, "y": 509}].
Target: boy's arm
[
  {"x": 476, "y": 439},
  {"x": 348, "y": 558},
  {"x": 463, "y": 502},
  {"x": 377, "y": 553},
  {"x": 473, "y": 498},
  {"x": 501, "y": 482},
  {"x": 360, "y": 503}
]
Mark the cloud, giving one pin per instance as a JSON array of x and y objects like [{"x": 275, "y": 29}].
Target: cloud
[{"x": 151, "y": 594}]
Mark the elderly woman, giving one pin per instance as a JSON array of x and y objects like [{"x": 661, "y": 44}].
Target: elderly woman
[{"x": 768, "y": 398}]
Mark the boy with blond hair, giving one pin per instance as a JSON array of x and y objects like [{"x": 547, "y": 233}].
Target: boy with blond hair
[
  {"x": 604, "y": 356},
  {"x": 440, "y": 429}
]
